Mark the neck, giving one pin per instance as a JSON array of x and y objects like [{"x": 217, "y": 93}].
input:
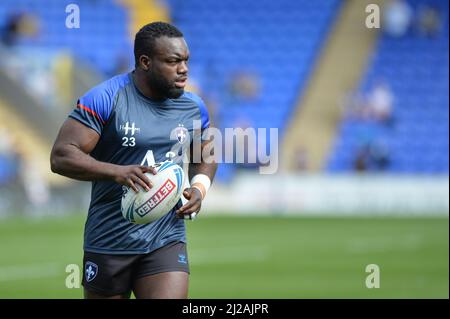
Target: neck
[{"x": 143, "y": 86}]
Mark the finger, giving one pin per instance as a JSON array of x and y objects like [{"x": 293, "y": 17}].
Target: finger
[
  {"x": 146, "y": 169},
  {"x": 186, "y": 205},
  {"x": 187, "y": 194},
  {"x": 190, "y": 216},
  {"x": 194, "y": 209},
  {"x": 147, "y": 182},
  {"x": 138, "y": 180},
  {"x": 199, "y": 193},
  {"x": 189, "y": 207},
  {"x": 132, "y": 185}
]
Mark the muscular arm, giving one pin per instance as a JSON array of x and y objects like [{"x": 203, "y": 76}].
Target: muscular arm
[
  {"x": 207, "y": 167},
  {"x": 70, "y": 157}
]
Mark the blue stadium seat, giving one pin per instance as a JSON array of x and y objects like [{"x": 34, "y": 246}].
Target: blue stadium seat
[
  {"x": 101, "y": 37},
  {"x": 416, "y": 69}
]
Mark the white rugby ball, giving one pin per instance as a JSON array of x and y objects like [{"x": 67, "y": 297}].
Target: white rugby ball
[{"x": 146, "y": 207}]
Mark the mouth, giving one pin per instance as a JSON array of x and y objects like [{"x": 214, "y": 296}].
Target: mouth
[{"x": 181, "y": 83}]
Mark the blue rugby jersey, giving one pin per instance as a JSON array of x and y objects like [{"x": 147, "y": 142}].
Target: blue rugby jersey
[{"x": 132, "y": 127}]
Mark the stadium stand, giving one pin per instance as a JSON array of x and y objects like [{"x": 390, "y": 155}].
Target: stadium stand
[
  {"x": 102, "y": 39},
  {"x": 230, "y": 46},
  {"x": 237, "y": 58},
  {"x": 231, "y": 49},
  {"x": 415, "y": 67}
]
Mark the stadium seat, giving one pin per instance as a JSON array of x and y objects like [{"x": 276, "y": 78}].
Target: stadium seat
[{"x": 416, "y": 69}]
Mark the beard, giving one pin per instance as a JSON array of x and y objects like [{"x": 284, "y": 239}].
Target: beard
[{"x": 163, "y": 87}]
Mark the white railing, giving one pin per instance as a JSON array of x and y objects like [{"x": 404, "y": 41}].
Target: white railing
[{"x": 331, "y": 195}]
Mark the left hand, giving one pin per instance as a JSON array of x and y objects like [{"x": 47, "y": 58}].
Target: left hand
[{"x": 194, "y": 203}]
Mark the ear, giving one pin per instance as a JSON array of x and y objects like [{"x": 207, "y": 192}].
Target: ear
[{"x": 145, "y": 62}]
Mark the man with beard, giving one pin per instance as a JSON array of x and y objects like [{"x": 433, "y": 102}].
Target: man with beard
[{"x": 118, "y": 130}]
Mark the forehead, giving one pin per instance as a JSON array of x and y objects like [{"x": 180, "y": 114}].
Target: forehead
[{"x": 165, "y": 46}]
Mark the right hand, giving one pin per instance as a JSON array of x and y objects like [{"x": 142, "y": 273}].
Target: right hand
[{"x": 133, "y": 175}]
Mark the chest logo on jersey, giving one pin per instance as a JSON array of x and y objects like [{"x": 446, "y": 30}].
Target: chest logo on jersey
[
  {"x": 181, "y": 133},
  {"x": 129, "y": 130}
]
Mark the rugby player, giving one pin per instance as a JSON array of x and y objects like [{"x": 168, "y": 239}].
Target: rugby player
[{"x": 117, "y": 130}]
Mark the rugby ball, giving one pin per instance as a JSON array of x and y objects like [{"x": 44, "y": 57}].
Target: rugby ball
[{"x": 146, "y": 207}]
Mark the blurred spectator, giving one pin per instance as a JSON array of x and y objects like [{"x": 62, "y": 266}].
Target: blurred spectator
[
  {"x": 376, "y": 106},
  {"x": 429, "y": 21},
  {"x": 361, "y": 161},
  {"x": 372, "y": 156},
  {"x": 18, "y": 26},
  {"x": 380, "y": 103},
  {"x": 397, "y": 18},
  {"x": 11, "y": 33},
  {"x": 380, "y": 155}
]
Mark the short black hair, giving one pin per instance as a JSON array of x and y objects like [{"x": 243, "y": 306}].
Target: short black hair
[{"x": 145, "y": 38}]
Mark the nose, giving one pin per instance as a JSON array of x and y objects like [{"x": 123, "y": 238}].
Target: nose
[{"x": 183, "y": 68}]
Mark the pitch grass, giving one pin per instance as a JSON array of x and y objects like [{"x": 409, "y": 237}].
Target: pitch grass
[{"x": 248, "y": 257}]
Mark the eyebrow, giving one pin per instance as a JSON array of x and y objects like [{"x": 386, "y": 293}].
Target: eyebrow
[{"x": 177, "y": 56}]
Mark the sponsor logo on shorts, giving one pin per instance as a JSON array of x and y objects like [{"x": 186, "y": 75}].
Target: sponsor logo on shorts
[
  {"x": 90, "y": 271},
  {"x": 156, "y": 199},
  {"x": 182, "y": 259}
]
